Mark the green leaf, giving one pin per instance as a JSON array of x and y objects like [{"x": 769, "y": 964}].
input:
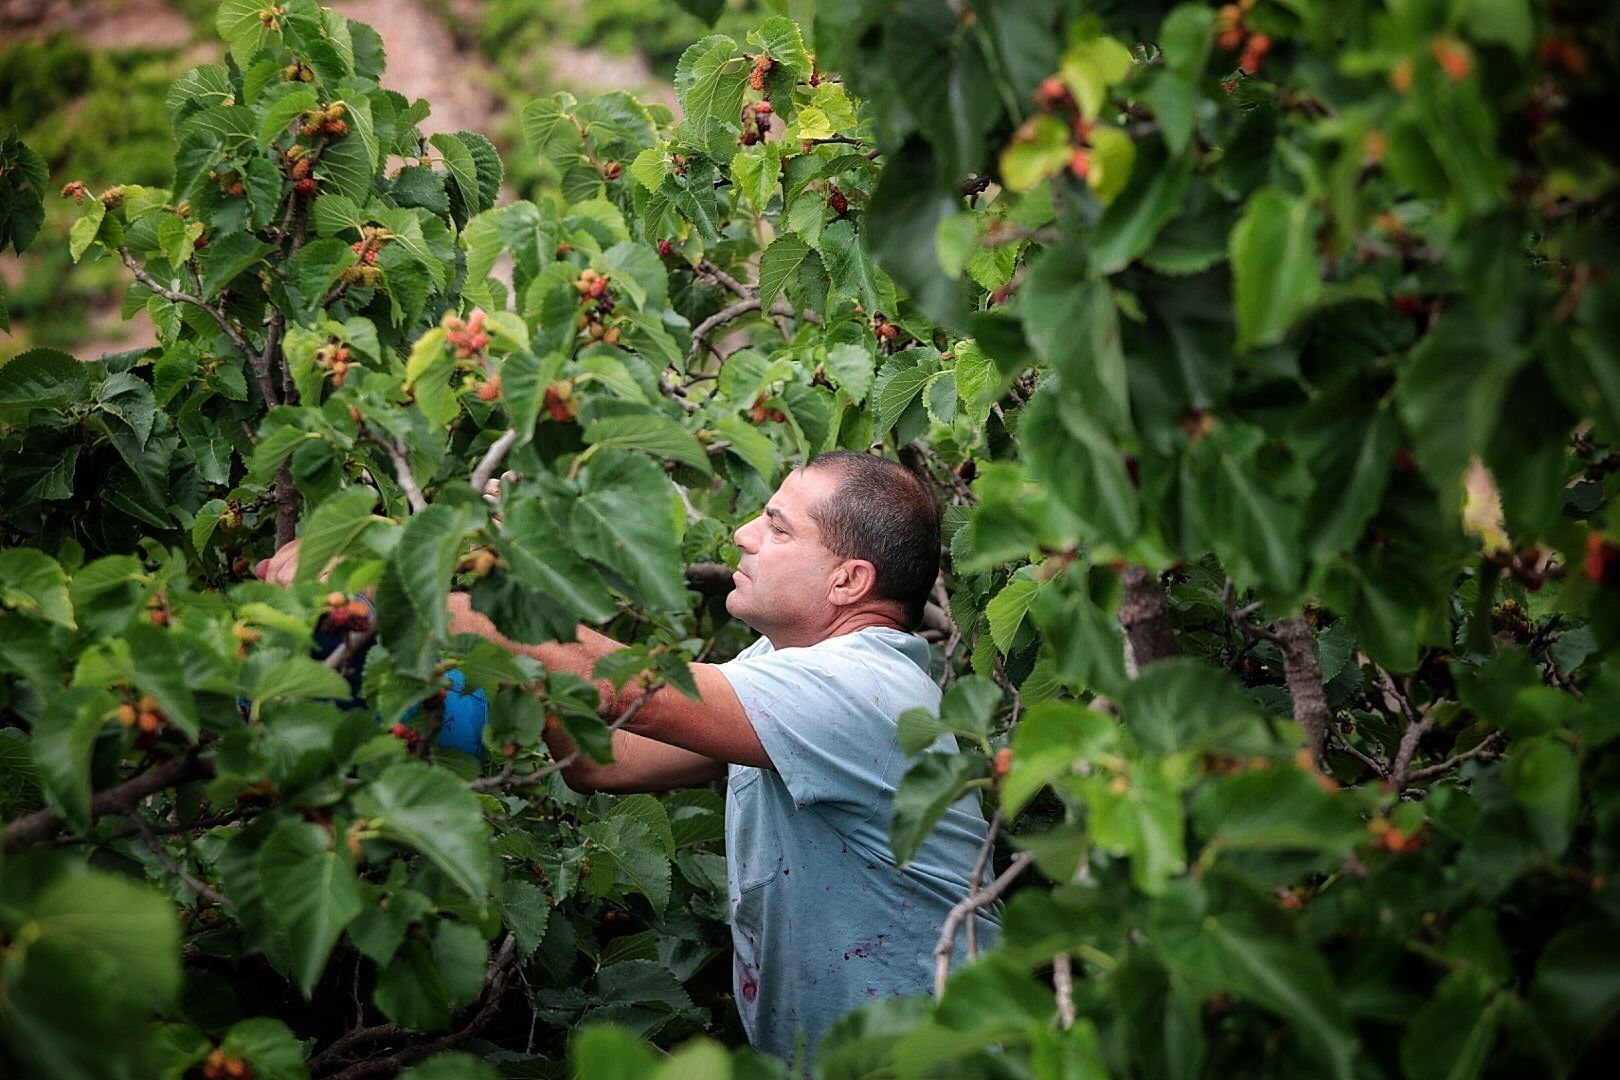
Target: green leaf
[
  {"x": 83, "y": 231},
  {"x": 239, "y": 24},
  {"x": 42, "y": 379},
  {"x": 289, "y": 105},
  {"x": 926, "y": 791},
  {"x": 1082, "y": 467},
  {"x": 31, "y": 581},
  {"x": 778, "y": 265},
  {"x": 463, "y": 170},
  {"x": 650, "y": 433},
  {"x": 852, "y": 271},
  {"x": 128, "y": 926},
  {"x": 1090, "y": 66},
  {"x": 63, "y": 738},
  {"x": 410, "y": 991},
  {"x": 898, "y": 383},
  {"x": 1451, "y": 1036},
  {"x": 1275, "y": 266},
  {"x": 1141, "y": 819},
  {"x": 1038, "y": 150},
  {"x": 709, "y": 80},
  {"x": 1007, "y": 610},
  {"x": 1181, "y": 705},
  {"x": 335, "y": 525},
  {"x": 1256, "y": 533},
  {"x": 525, "y": 910},
  {"x": 603, "y": 1050},
  {"x": 539, "y": 555},
  {"x": 1049, "y": 739},
  {"x": 621, "y": 521},
  {"x": 454, "y": 1065},
  {"x": 311, "y": 892},
  {"x": 1185, "y": 38},
  {"x": 431, "y": 811},
  {"x": 853, "y": 367},
  {"x": 779, "y": 38},
  {"x": 227, "y": 257},
  {"x": 294, "y": 678},
  {"x": 626, "y": 846},
  {"x": 1072, "y": 321},
  {"x": 1275, "y": 809},
  {"x": 426, "y": 556},
  {"x": 1151, "y": 201},
  {"x": 1544, "y": 776}
]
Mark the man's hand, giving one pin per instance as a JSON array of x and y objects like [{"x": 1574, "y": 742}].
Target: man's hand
[{"x": 282, "y": 567}]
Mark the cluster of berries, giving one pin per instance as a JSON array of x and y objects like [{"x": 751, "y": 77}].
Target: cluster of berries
[
  {"x": 666, "y": 248},
  {"x": 885, "y": 330},
  {"x": 157, "y": 610},
  {"x": 328, "y": 122},
  {"x": 220, "y": 1065},
  {"x": 334, "y": 359},
  {"x": 345, "y": 615},
  {"x": 760, "y": 413},
  {"x": 1053, "y": 96},
  {"x": 1233, "y": 35},
  {"x": 1386, "y": 837},
  {"x": 1602, "y": 561},
  {"x": 467, "y": 336},
  {"x": 597, "y": 298},
  {"x": 837, "y": 201},
  {"x": 143, "y": 714},
  {"x": 298, "y": 71},
  {"x": 229, "y": 181},
  {"x": 762, "y": 67},
  {"x": 404, "y": 733},
  {"x": 268, "y": 16},
  {"x": 560, "y": 401},
  {"x": 1001, "y": 764},
  {"x": 611, "y": 171},
  {"x": 756, "y": 121}
]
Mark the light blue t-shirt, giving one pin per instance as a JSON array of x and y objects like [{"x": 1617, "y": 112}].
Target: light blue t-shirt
[{"x": 821, "y": 920}]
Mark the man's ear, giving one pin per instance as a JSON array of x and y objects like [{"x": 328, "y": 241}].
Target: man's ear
[{"x": 852, "y": 581}]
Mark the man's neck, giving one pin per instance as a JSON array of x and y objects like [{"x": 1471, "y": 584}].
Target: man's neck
[{"x": 846, "y": 623}]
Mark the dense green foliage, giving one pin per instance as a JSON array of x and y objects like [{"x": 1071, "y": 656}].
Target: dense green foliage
[{"x": 1265, "y": 357}]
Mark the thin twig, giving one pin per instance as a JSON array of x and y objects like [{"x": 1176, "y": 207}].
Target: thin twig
[
  {"x": 402, "y": 469},
  {"x": 742, "y": 307},
  {"x": 1400, "y": 772},
  {"x": 1488, "y": 748},
  {"x": 965, "y": 907},
  {"x": 1371, "y": 762},
  {"x": 977, "y": 876},
  {"x": 720, "y": 277},
  {"x": 170, "y": 864},
  {"x": 174, "y": 297},
  {"x": 491, "y": 461},
  {"x": 1063, "y": 984},
  {"x": 351, "y": 645},
  {"x": 508, "y": 777}
]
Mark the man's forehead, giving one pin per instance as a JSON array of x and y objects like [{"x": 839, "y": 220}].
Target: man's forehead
[{"x": 798, "y": 495}]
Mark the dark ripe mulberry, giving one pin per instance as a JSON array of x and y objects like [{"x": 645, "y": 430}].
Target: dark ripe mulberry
[{"x": 839, "y": 202}]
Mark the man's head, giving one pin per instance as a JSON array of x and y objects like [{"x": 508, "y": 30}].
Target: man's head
[{"x": 848, "y": 540}]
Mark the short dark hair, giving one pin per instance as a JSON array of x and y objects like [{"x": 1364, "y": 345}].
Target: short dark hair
[{"x": 884, "y": 513}]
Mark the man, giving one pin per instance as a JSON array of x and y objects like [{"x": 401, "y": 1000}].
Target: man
[{"x": 802, "y": 724}]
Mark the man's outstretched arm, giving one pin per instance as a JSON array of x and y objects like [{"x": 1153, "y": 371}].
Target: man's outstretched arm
[{"x": 672, "y": 741}]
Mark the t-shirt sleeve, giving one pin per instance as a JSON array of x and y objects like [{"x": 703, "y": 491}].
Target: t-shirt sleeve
[{"x": 824, "y": 729}]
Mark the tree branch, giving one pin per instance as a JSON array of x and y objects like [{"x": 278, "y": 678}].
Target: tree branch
[
  {"x": 170, "y": 864},
  {"x": 1146, "y": 617},
  {"x": 1063, "y": 985},
  {"x": 496, "y": 978},
  {"x": 965, "y": 907},
  {"x": 740, "y": 308},
  {"x": 977, "y": 876},
  {"x": 720, "y": 277},
  {"x": 1304, "y": 676},
  {"x": 1400, "y": 773},
  {"x": 42, "y": 825}
]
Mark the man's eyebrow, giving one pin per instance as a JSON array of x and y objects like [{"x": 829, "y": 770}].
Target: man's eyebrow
[{"x": 780, "y": 519}]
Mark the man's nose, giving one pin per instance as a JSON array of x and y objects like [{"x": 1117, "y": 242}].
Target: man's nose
[{"x": 744, "y": 535}]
